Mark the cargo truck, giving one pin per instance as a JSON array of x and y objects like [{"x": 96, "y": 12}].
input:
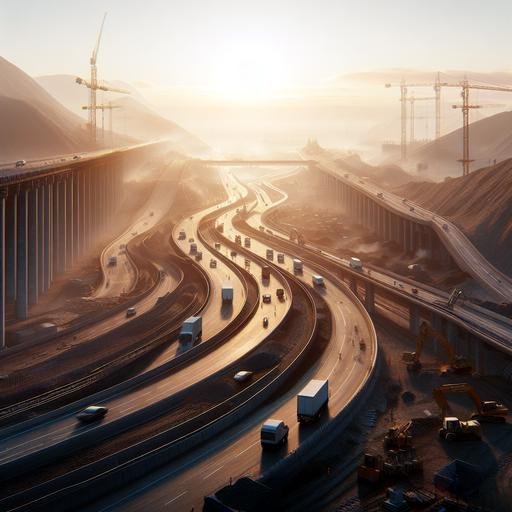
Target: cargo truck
[
  {"x": 311, "y": 400},
  {"x": 193, "y": 248},
  {"x": 297, "y": 265},
  {"x": 280, "y": 293},
  {"x": 182, "y": 235},
  {"x": 318, "y": 280},
  {"x": 270, "y": 254},
  {"x": 280, "y": 258},
  {"x": 356, "y": 263},
  {"x": 112, "y": 261},
  {"x": 247, "y": 242},
  {"x": 274, "y": 433},
  {"x": 238, "y": 239},
  {"x": 265, "y": 272},
  {"x": 227, "y": 293},
  {"x": 191, "y": 330}
]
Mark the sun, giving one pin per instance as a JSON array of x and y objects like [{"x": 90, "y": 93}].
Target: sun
[{"x": 248, "y": 72}]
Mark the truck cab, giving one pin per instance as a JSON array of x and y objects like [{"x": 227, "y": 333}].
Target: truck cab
[
  {"x": 274, "y": 433},
  {"x": 297, "y": 265},
  {"x": 356, "y": 263},
  {"x": 454, "y": 429},
  {"x": 318, "y": 281}
]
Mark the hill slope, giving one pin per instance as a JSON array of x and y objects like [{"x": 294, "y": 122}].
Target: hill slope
[
  {"x": 490, "y": 138},
  {"x": 135, "y": 118},
  {"x": 34, "y": 124},
  {"x": 480, "y": 204}
]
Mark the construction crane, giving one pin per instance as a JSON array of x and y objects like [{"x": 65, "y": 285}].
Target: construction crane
[
  {"x": 437, "y": 85},
  {"x": 489, "y": 410},
  {"x": 94, "y": 86},
  {"x": 108, "y": 107},
  {"x": 466, "y": 107},
  {"x": 412, "y": 100},
  {"x": 413, "y": 359}
]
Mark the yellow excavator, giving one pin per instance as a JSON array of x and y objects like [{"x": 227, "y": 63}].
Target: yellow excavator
[
  {"x": 486, "y": 410},
  {"x": 413, "y": 359}
]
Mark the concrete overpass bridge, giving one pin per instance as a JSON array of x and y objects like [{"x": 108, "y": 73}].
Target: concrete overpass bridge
[
  {"x": 260, "y": 162},
  {"x": 51, "y": 213}
]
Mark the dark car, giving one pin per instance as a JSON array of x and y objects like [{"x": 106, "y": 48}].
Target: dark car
[{"x": 92, "y": 413}]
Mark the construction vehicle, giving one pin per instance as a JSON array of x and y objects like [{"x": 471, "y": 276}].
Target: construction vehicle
[
  {"x": 489, "y": 411},
  {"x": 399, "y": 437},
  {"x": 454, "y": 297},
  {"x": 454, "y": 429},
  {"x": 397, "y": 464},
  {"x": 413, "y": 359}
]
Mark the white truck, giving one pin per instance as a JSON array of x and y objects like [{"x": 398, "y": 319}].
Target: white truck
[
  {"x": 274, "y": 433},
  {"x": 312, "y": 399},
  {"x": 191, "y": 330},
  {"x": 297, "y": 265},
  {"x": 318, "y": 281},
  {"x": 227, "y": 293},
  {"x": 356, "y": 263}
]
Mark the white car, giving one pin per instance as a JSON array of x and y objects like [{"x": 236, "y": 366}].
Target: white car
[
  {"x": 131, "y": 312},
  {"x": 242, "y": 375},
  {"x": 267, "y": 298}
]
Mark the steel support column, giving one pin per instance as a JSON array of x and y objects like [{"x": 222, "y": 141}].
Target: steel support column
[{"x": 22, "y": 257}]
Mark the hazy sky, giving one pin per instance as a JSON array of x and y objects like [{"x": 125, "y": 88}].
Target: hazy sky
[{"x": 254, "y": 48}]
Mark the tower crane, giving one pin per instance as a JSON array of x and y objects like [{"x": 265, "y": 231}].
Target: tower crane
[
  {"x": 94, "y": 86},
  {"x": 412, "y": 99},
  {"x": 466, "y": 107},
  {"x": 104, "y": 107},
  {"x": 437, "y": 85}
]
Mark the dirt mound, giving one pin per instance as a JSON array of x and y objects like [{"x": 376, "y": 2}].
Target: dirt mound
[
  {"x": 490, "y": 138},
  {"x": 480, "y": 204},
  {"x": 134, "y": 117},
  {"x": 33, "y": 123},
  {"x": 386, "y": 176}
]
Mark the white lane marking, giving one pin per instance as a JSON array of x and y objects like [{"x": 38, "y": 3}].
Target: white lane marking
[
  {"x": 176, "y": 498},
  {"x": 213, "y": 472},
  {"x": 248, "y": 448}
]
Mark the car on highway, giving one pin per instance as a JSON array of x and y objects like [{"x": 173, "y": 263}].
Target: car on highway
[
  {"x": 112, "y": 261},
  {"x": 270, "y": 254},
  {"x": 193, "y": 248},
  {"x": 217, "y": 246},
  {"x": 265, "y": 321},
  {"x": 280, "y": 294},
  {"x": 199, "y": 256},
  {"x": 242, "y": 376},
  {"x": 213, "y": 263},
  {"x": 191, "y": 240},
  {"x": 92, "y": 413},
  {"x": 411, "y": 209},
  {"x": 380, "y": 195},
  {"x": 267, "y": 298},
  {"x": 274, "y": 433},
  {"x": 414, "y": 290},
  {"x": 280, "y": 257},
  {"x": 20, "y": 163},
  {"x": 445, "y": 227},
  {"x": 233, "y": 254},
  {"x": 131, "y": 312},
  {"x": 182, "y": 235}
]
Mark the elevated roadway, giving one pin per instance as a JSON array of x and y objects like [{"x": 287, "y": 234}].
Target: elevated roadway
[{"x": 182, "y": 485}]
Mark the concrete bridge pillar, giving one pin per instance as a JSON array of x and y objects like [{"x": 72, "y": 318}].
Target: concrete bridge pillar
[
  {"x": 40, "y": 238},
  {"x": 69, "y": 222},
  {"x": 11, "y": 235},
  {"x": 3, "y": 196},
  {"x": 48, "y": 235},
  {"x": 22, "y": 256},
  {"x": 62, "y": 226},
  {"x": 369, "y": 297},
  {"x": 414, "y": 319},
  {"x": 77, "y": 239},
  {"x": 353, "y": 284},
  {"x": 33, "y": 245}
]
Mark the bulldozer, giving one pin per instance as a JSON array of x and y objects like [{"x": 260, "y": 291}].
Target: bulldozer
[
  {"x": 489, "y": 411},
  {"x": 454, "y": 429},
  {"x": 398, "y": 437},
  {"x": 456, "y": 363}
]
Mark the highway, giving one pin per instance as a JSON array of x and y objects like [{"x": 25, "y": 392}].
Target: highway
[
  {"x": 64, "y": 427},
  {"x": 462, "y": 250},
  {"x": 496, "y": 328},
  {"x": 182, "y": 485}
]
